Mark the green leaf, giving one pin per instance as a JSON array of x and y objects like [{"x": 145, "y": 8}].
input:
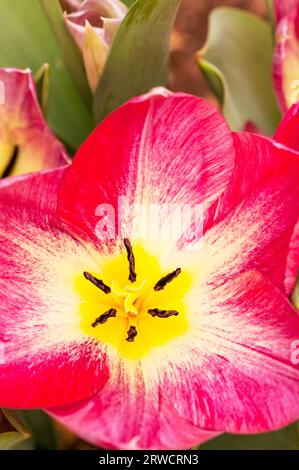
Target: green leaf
[
  {"x": 128, "y": 2},
  {"x": 237, "y": 62},
  {"x": 41, "y": 427},
  {"x": 12, "y": 430},
  {"x": 42, "y": 82},
  {"x": 285, "y": 439},
  {"x": 26, "y": 40},
  {"x": 9, "y": 440},
  {"x": 139, "y": 55},
  {"x": 69, "y": 50},
  {"x": 271, "y": 16}
]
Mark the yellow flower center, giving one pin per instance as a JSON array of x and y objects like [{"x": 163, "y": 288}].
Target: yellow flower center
[
  {"x": 132, "y": 304},
  {"x": 130, "y": 295}
]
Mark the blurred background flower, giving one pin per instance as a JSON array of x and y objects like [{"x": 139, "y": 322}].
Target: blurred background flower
[
  {"x": 26, "y": 142},
  {"x": 189, "y": 36},
  {"x": 286, "y": 58}
]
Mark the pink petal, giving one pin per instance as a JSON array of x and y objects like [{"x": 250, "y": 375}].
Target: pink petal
[
  {"x": 162, "y": 148},
  {"x": 251, "y": 127},
  {"x": 22, "y": 124},
  {"x": 258, "y": 159},
  {"x": 284, "y": 7},
  {"x": 234, "y": 373},
  {"x": 110, "y": 28},
  {"x": 47, "y": 359},
  {"x": 105, "y": 8},
  {"x": 258, "y": 212},
  {"x": 76, "y": 30},
  {"x": 129, "y": 414},
  {"x": 95, "y": 12},
  {"x": 287, "y": 132}
]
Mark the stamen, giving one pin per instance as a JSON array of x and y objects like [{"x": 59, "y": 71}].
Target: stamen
[
  {"x": 156, "y": 312},
  {"x": 97, "y": 282},
  {"x": 132, "y": 333},
  {"x": 104, "y": 317},
  {"x": 11, "y": 163},
  {"x": 131, "y": 259},
  {"x": 166, "y": 279}
]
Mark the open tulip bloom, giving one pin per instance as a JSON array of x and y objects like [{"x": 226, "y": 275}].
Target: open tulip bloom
[{"x": 134, "y": 339}]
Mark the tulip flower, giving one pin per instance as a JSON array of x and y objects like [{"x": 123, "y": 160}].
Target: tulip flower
[
  {"x": 286, "y": 57},
  {"x": 93, "y": 25},
  {"x": 139, "y": 338},
  {"x": 26, "y": 142}
]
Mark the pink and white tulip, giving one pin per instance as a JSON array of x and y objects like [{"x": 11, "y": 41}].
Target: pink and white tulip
[{"x": 90, "y": 337}]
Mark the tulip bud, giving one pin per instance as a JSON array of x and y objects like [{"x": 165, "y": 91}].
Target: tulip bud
[{"x": 93, "y": 25}]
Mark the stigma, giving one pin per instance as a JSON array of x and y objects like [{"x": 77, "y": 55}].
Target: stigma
[{"x": 126, "y": 301}]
